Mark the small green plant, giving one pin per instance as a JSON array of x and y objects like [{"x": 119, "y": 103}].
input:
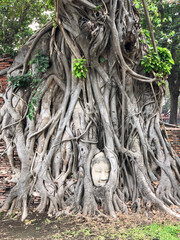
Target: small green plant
[
  {"x": 160, "y": 63},
  {"x": 101, "y": 237},
  {"x": 101, "y": 59},
  {"x": 42, "y": 62},
  {"x": 33, "y": 81},
  {"x": 20, "y": 81},
  {"x": 79, "y": 68},
  {"x": 97, "y": 8},
  {"x": 57, "y": 236}
]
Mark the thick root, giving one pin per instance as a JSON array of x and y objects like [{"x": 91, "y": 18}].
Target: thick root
[{"x": 90, "y": 141}]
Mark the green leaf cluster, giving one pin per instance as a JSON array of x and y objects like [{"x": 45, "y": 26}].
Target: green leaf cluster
[
  {"x": 160, "y": 63},
  {"x": 165, "y": 18},
  {"x": 97, "y": 8},
  {"x": 50, "y": 3},
  {"x": 20, "y": 81},
  {"x": 35, "y": 98},
  {"x": 33, "y": 81},
  {"x": 42, "y": 62},
  {"x": 16, "y": 19},
  {"x": 79, "y": 68}
]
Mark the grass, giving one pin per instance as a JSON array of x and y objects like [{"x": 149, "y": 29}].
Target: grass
[
  {"x": 154, "y": 231},
  {"x": 154, "y": 226}
]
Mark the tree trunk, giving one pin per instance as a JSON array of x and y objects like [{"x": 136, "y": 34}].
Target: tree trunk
[
  {"x": 92, "y": 143},
  {"x": 173, "y": 107},
  {"x": 174, "y": 89}
]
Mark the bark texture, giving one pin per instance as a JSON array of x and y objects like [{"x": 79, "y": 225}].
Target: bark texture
[
  {"x": 114, "y": 110},
  {"x": 174, "y": 88}
]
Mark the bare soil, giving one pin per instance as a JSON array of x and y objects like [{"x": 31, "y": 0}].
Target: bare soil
[{"x": 40, "y": 226}]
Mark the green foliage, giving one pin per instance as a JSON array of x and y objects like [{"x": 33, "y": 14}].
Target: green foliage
[
  {"x": 79, "y": 68},
  {"x": 97, "y": 8},
  {"x": 165, "y": 18},
  {"x": 144, "y": 232},
  {"x": 6, "y": 49},
  {"x": 160, "y": 63},
  {"x": 20, "y": 81},
  {"x": 54, "y": 21},
  {"x": 154, "y": 231},
  {"x": 16, "y": 16},
  {"x": 50, "y": 3},
  {"x": 102, "y": 59},
  {"x": 166, "y": 59},
  {"x": 35, "y": 97},
  {"x": 42, "y": 62},
  {"x": 33, "y": 81}
]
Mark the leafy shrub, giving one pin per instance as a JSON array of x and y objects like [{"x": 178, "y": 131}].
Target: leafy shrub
[
  {"x": 160, "y": 63},
  {"x": 33, "y": 81},
  {"x": 42, "y": 62},
  {"x": 20, "y": 81},
  {"x": 79, "y": 68}
]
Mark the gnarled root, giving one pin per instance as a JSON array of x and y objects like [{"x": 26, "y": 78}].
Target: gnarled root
[{"x": 109, "y": 118}]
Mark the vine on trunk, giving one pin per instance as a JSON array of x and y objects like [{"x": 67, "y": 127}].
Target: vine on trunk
[{"x": 93, "y": 146}]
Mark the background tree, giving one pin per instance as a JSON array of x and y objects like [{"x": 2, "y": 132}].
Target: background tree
[
  {"x": 15, "y": 18},
  {"x": 79, "y": 102},
  {"x": 165, "y": 17}
]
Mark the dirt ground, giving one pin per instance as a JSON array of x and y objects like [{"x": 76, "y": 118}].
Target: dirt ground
[{"x": 40, "y": 226}]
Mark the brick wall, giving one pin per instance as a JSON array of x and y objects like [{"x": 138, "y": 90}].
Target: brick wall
[
  {"x": 174, "y": 138},
  {"x": 5, "y": 169},
  {"x": 4, "y": 63},
  {"x": 5, "y": 174}
]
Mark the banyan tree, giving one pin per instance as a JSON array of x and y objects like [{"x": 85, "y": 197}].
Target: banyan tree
[{"x": 84, "y": 118}]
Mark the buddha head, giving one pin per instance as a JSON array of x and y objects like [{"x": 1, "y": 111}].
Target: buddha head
[{"x": 100, "y": 168}]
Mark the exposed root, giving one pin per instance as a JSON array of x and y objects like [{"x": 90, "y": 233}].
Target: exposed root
[{"x": 112, "y": 114}]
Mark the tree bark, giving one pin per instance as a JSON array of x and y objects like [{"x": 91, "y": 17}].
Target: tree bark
[
  {"x": 174, "y": 89},
  {"x": 173, "y": 107},
  {"x": 110, "y": 112}
]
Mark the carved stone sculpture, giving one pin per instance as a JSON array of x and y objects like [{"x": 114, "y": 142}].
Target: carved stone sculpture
[{"x": 100, "y": 168}]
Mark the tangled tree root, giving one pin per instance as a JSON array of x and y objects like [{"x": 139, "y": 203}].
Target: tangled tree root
[{"x": 112, "y": 111}]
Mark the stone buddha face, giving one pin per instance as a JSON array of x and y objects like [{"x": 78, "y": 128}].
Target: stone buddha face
[{"x": 100, "y": 168}]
